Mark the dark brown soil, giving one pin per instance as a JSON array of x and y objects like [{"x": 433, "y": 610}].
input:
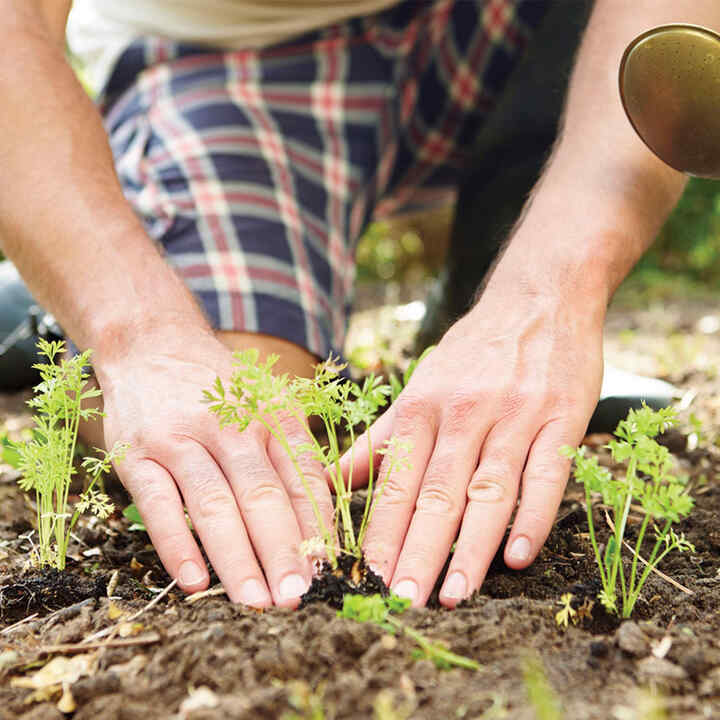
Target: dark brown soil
[
  {"x": 228, "y": 661},
  {"x": 351, "y": 576}
]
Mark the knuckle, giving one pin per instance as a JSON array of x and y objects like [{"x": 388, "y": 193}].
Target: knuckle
[
  {"x": 489, "y": 487},
  {"x": 212, "y": 498},
  {"x": 153, "y": 495},
  {"x": 546, "y": 476},
  {"x": 410, "y": 407},
  {"x": 436, "y": 499},
  {"x": 298, "y": 492},
  {"x": 394, "y": 492},
  {"x": 261, "y": 494},
  {"x": 462, "y": 408}
]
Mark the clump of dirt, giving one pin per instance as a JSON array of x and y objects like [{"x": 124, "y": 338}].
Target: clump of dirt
[
  {"x": 46, "y": 590},
  {"x": 352, "y": 576}
]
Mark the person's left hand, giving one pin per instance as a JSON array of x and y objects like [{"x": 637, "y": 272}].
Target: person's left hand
[{"x": 485, "y": 413}]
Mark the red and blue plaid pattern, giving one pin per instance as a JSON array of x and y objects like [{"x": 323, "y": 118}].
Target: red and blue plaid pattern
[{"x": 257, "y": 170}]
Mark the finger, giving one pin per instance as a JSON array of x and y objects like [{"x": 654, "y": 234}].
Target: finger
[
  {"x": 416, "y": 424},
  {"x": 438, "y": 512},
  {"x": 216, "y": 518},
  {"x": 543, "y": 484},
  {"x": 491, "y": 499},
  {"x": 297, "y": 490},
  {"x": 156, "y": 496},
  {"x": 268, "y": 515},
  {"x": 358, "y": 457}
]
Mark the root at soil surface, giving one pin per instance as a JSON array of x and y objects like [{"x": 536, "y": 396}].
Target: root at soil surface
[
  {"x": 352, "y": 576},
  {"x": 46, "y": 590}
]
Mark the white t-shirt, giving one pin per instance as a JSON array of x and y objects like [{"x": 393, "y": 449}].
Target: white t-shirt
[{"x": 99, "y": 30}]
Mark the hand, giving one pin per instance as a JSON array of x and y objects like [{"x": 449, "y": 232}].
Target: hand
[
  {"x": 485, "y": 412},
  {"x": 245, "y": 502}
]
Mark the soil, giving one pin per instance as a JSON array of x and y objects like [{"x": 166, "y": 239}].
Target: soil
[{"x": 210, "y": 659}]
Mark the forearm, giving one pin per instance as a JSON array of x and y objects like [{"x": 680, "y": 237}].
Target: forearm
[
  {"x": 603, "y": 187},
  {"x": 63, "y": 218}
]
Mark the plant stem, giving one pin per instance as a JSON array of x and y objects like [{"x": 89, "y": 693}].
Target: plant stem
[
  {"x": 433, "y": 651},
  {"x": 593, "y": 541},
  {"x": 369, "y": 501},
  {"x": 652, "y": 562},
  {"x": 341, "y": 497},
  {"x": 620, "y": 526},
  {"x": 638, "y": 548},
  {"x": 279, "y": 434}
]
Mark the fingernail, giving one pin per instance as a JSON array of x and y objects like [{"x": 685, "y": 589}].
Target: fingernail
[
  {"x": 253, "y": 593},
  {"x": 520, "y": 550},
  {"x": 291, "y": 587},
  {"x": 407, "y": 589},
  {"x": 456, "y": 586},
  {"x": 190, "y": 573}
]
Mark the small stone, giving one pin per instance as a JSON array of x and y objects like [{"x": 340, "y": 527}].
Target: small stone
[
  {"x": 698, "y": 662},
  {"x": 660, "y": 669},
  {"x": 632, "y": 640},
  {"x": 8, "y": 658}
]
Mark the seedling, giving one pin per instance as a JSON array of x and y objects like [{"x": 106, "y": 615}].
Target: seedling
[
  {"x": 255, "y": 394},
  {"x": 567, "y": 613},
  {"x": 381, "y": 611},
  {"x": 131, "y": 513},
  {"x": 649, "y": 484},
  {"x": 46, "y": 460},
  {"x": 541, "y": 695}
]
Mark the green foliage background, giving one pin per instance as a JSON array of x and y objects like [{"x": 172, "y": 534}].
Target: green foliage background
[{"x": 689, "y": 244}]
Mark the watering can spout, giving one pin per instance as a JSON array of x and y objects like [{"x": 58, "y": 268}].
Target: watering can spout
[{"x": 670, "y": 89}]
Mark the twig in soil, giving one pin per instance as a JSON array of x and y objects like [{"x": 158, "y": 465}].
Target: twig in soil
[
  {"x": 217, "y": 590},
  {"x": 659, "y": 573},
  {"x": 10, "y": 628},
  {"x": 65, "y": 613},
  {"x": 109, "y": 630},
  {"x": 83, "y": 646}
]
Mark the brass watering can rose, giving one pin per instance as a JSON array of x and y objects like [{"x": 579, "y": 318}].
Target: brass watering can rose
[{"x": 670, "y": 89}]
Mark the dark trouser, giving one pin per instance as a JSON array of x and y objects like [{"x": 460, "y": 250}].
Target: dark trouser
[{"x": 509, "y": 156}]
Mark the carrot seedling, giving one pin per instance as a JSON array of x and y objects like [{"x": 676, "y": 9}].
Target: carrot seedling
[
  {"x": 46, "y": 461},
  {"x": 381, "y": 611},
  {"x": 255, "y": 394},
  {"x": 650, "y": 487}
]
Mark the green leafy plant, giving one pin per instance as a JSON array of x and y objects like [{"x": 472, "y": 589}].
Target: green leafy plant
[
  {"x": 381, "y": 611},
  {"x": 255, "y": 394},
  {"x": 46, "y": 461},
  {"x": 131, "y": 513},
  {"x": 648, "y": 482}
]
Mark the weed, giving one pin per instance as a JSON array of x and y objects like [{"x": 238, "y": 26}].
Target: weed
[
  {"x": 308, "y": 704},
  {"x": 46, "y": 460},
  {"x": 255, "y": 394},
  {"x": 541, "y": 695},
  {"x": 661, "y": 496},
  {"x": 381, "y": 611},
  {"x": 567, "y": 613}
]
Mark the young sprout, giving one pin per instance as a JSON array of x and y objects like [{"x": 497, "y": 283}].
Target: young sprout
[
  {"x": 46, "y": 461},
  {"x": 381, "y": 611},
  {"x": 649, "y": 483},
  {"x": 255, "y": 394}
]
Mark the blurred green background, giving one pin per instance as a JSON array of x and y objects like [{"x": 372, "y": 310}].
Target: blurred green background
[{"x": 684, "y": 260}]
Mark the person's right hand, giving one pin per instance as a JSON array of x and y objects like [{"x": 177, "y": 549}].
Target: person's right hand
[{"x": 245, "y": 501}]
